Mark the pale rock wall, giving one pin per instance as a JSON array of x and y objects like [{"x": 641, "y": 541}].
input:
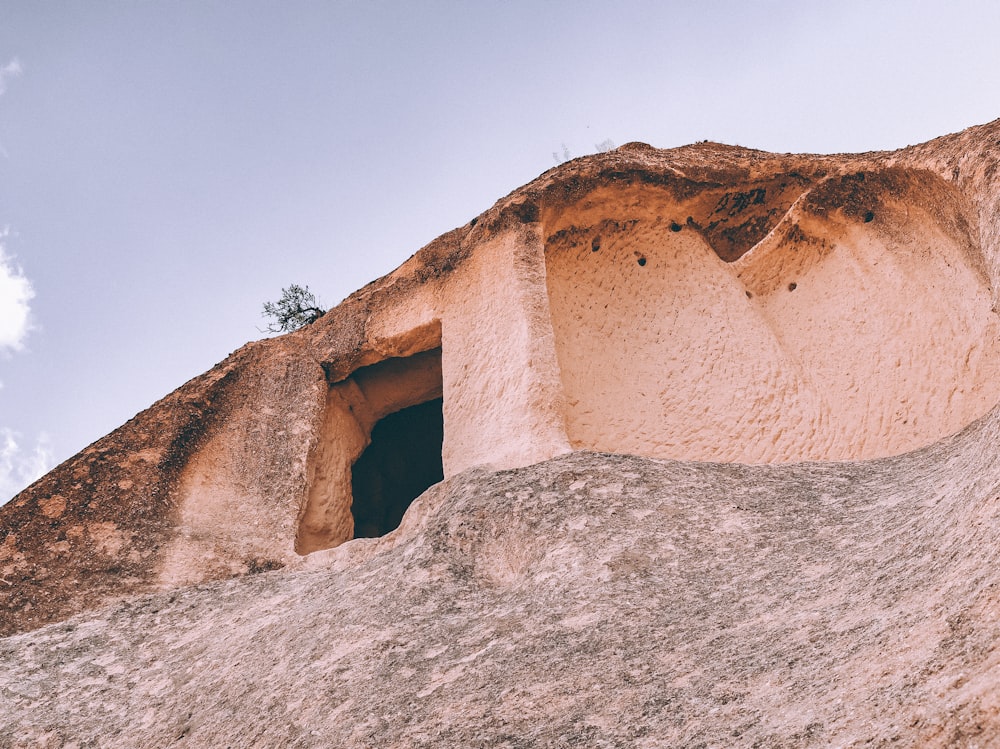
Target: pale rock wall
[
  {"x": 892, "y": 320},
  {"x": 325, "y": 519},
  {"x": 502, "y": 395},
  {"x": 834, "y": 337},
  {"x": 550, "y": 346},
  {"x": 666, "y": 359}
]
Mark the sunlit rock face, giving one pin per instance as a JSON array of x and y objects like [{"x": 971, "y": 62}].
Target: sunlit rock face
[
  {"x": 834, "y": 317},
  {"x": 771, "y": 321}
]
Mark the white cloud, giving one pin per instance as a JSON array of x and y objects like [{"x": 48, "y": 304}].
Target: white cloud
[
  {"x": 19, "y": 466},
  {"x": 11, "y": 70},
  {"x": 15, "y": 294}
]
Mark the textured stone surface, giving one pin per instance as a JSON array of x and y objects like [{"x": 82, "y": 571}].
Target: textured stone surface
[
  {"x": 831, "y": 338},
  {"x": 592, "y": 600},
  {"x": 707, "y": 302}
]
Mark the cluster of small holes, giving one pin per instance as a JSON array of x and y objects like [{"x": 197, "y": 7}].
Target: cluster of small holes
[{"x": 595, "y": 244}]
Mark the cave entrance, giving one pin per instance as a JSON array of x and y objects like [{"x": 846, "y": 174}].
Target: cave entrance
[
  {"x": 402, "y": 461},
  {"x": 378, "y": 449}
]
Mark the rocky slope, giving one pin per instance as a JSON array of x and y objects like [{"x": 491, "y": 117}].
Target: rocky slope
[{"x": 592, "y": 600}]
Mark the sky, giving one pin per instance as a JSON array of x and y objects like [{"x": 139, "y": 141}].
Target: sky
[{"x": 167, "y": 167}]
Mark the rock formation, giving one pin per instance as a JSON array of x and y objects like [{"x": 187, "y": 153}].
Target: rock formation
[
  {"x": 591, "y": 600},
  {"x": 716, "y": 429}
]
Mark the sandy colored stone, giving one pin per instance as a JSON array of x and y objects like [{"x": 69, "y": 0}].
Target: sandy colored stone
[
  {"x": 708, "y": 303},
  {"x": 592, "y": 600}
]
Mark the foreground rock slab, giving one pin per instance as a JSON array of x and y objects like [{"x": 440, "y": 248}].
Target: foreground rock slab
[{"x": 591, "y": 600}]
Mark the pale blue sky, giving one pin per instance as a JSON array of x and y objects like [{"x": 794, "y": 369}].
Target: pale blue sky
[{"x": 165, "y": 167}]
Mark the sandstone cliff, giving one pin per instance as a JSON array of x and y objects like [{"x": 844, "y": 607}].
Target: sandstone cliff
[{"x": 812, "y": 329}]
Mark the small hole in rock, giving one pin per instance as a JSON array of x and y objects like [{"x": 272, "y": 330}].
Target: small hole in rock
[
  {"x": 869, "y": 216},
  {"x": 642, "y": 261},
  {"x": 749, "y": 295},
  {"x": 596, "y": 244},
  {"x": 792, "y": 286},
  {"x": 674, "y": 226}
]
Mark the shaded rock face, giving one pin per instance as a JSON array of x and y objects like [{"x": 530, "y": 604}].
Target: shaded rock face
[
  {"x": 705, "y": 303},
  {"x": 591, "y": 600},
  {"x": 403, "y": 459}
]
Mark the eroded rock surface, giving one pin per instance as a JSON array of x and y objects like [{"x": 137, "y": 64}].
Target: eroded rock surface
[
  {"x": 592, "y": 600},
  {"x": 705, "y": 303}
]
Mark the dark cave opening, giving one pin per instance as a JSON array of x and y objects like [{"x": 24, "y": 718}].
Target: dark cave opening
[{"x": 403, "y": 460}]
